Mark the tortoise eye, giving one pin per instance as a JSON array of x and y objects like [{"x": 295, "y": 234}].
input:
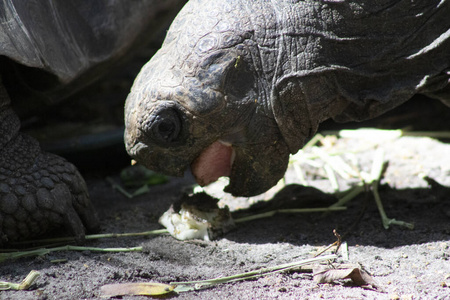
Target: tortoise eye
[{"x": 165, "y": 126}]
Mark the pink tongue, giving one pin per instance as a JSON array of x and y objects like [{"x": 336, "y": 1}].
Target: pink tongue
[{"x": 212, "y": 163}]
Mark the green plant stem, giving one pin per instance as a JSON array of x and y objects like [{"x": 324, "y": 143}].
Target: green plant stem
[
  {"x": 132, "y": 234},
  {"x": 355, "y": 191},
  {"x": 119, "y": 188},
  {"x": 312, "y": 142},
  {"x": 389, "y": 134},
  {"x": 288, "y": 210},
  {"x": 200, "y": 284},
  {"x": 43, "y": 251},
  {"x": 24, "y": 285},
  {"x": 94, "y": 237},
  {"x": 431, "y": 134},
  {"x": 376, "y": 173}
]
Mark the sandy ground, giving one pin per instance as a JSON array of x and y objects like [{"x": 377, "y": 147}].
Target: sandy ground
[{"x": 407, "y": 264}]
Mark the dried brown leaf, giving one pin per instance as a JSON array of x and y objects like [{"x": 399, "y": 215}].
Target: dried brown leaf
[{"x": 332, "y": 273}]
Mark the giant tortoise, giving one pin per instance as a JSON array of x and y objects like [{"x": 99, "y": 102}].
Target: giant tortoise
[
  {"x": 235, "y": 88},
  {"x": 48, "y": 49},
  {"x": 239, "y": 85}
]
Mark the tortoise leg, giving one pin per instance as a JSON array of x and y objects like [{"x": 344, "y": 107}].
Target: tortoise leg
[{"x": 39, "y": 191}]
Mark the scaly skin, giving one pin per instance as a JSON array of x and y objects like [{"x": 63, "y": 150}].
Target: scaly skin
[
  {"x": 39, "y": 191},
  {"x": 49, "y": 50},
  {"x": 262, "y": 75}
]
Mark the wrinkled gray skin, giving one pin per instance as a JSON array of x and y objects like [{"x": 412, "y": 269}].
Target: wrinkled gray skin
[
  {"x": 262, "y": 75},
  {"x": 49, "y": 49}
]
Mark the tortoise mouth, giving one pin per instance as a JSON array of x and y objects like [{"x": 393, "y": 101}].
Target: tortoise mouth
[
  {"x": 213, "y": 162},
  {"x": 142, "y": 153}
]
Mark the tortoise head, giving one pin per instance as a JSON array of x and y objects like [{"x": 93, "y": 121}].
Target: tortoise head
[{"x": 200, "y": 103}]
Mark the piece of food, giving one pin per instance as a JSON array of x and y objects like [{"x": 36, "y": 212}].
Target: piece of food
[{"x": 197, "y": 217}]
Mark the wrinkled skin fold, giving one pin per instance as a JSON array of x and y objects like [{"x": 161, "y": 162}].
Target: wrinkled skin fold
[{"x": 261, "y": 76}]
